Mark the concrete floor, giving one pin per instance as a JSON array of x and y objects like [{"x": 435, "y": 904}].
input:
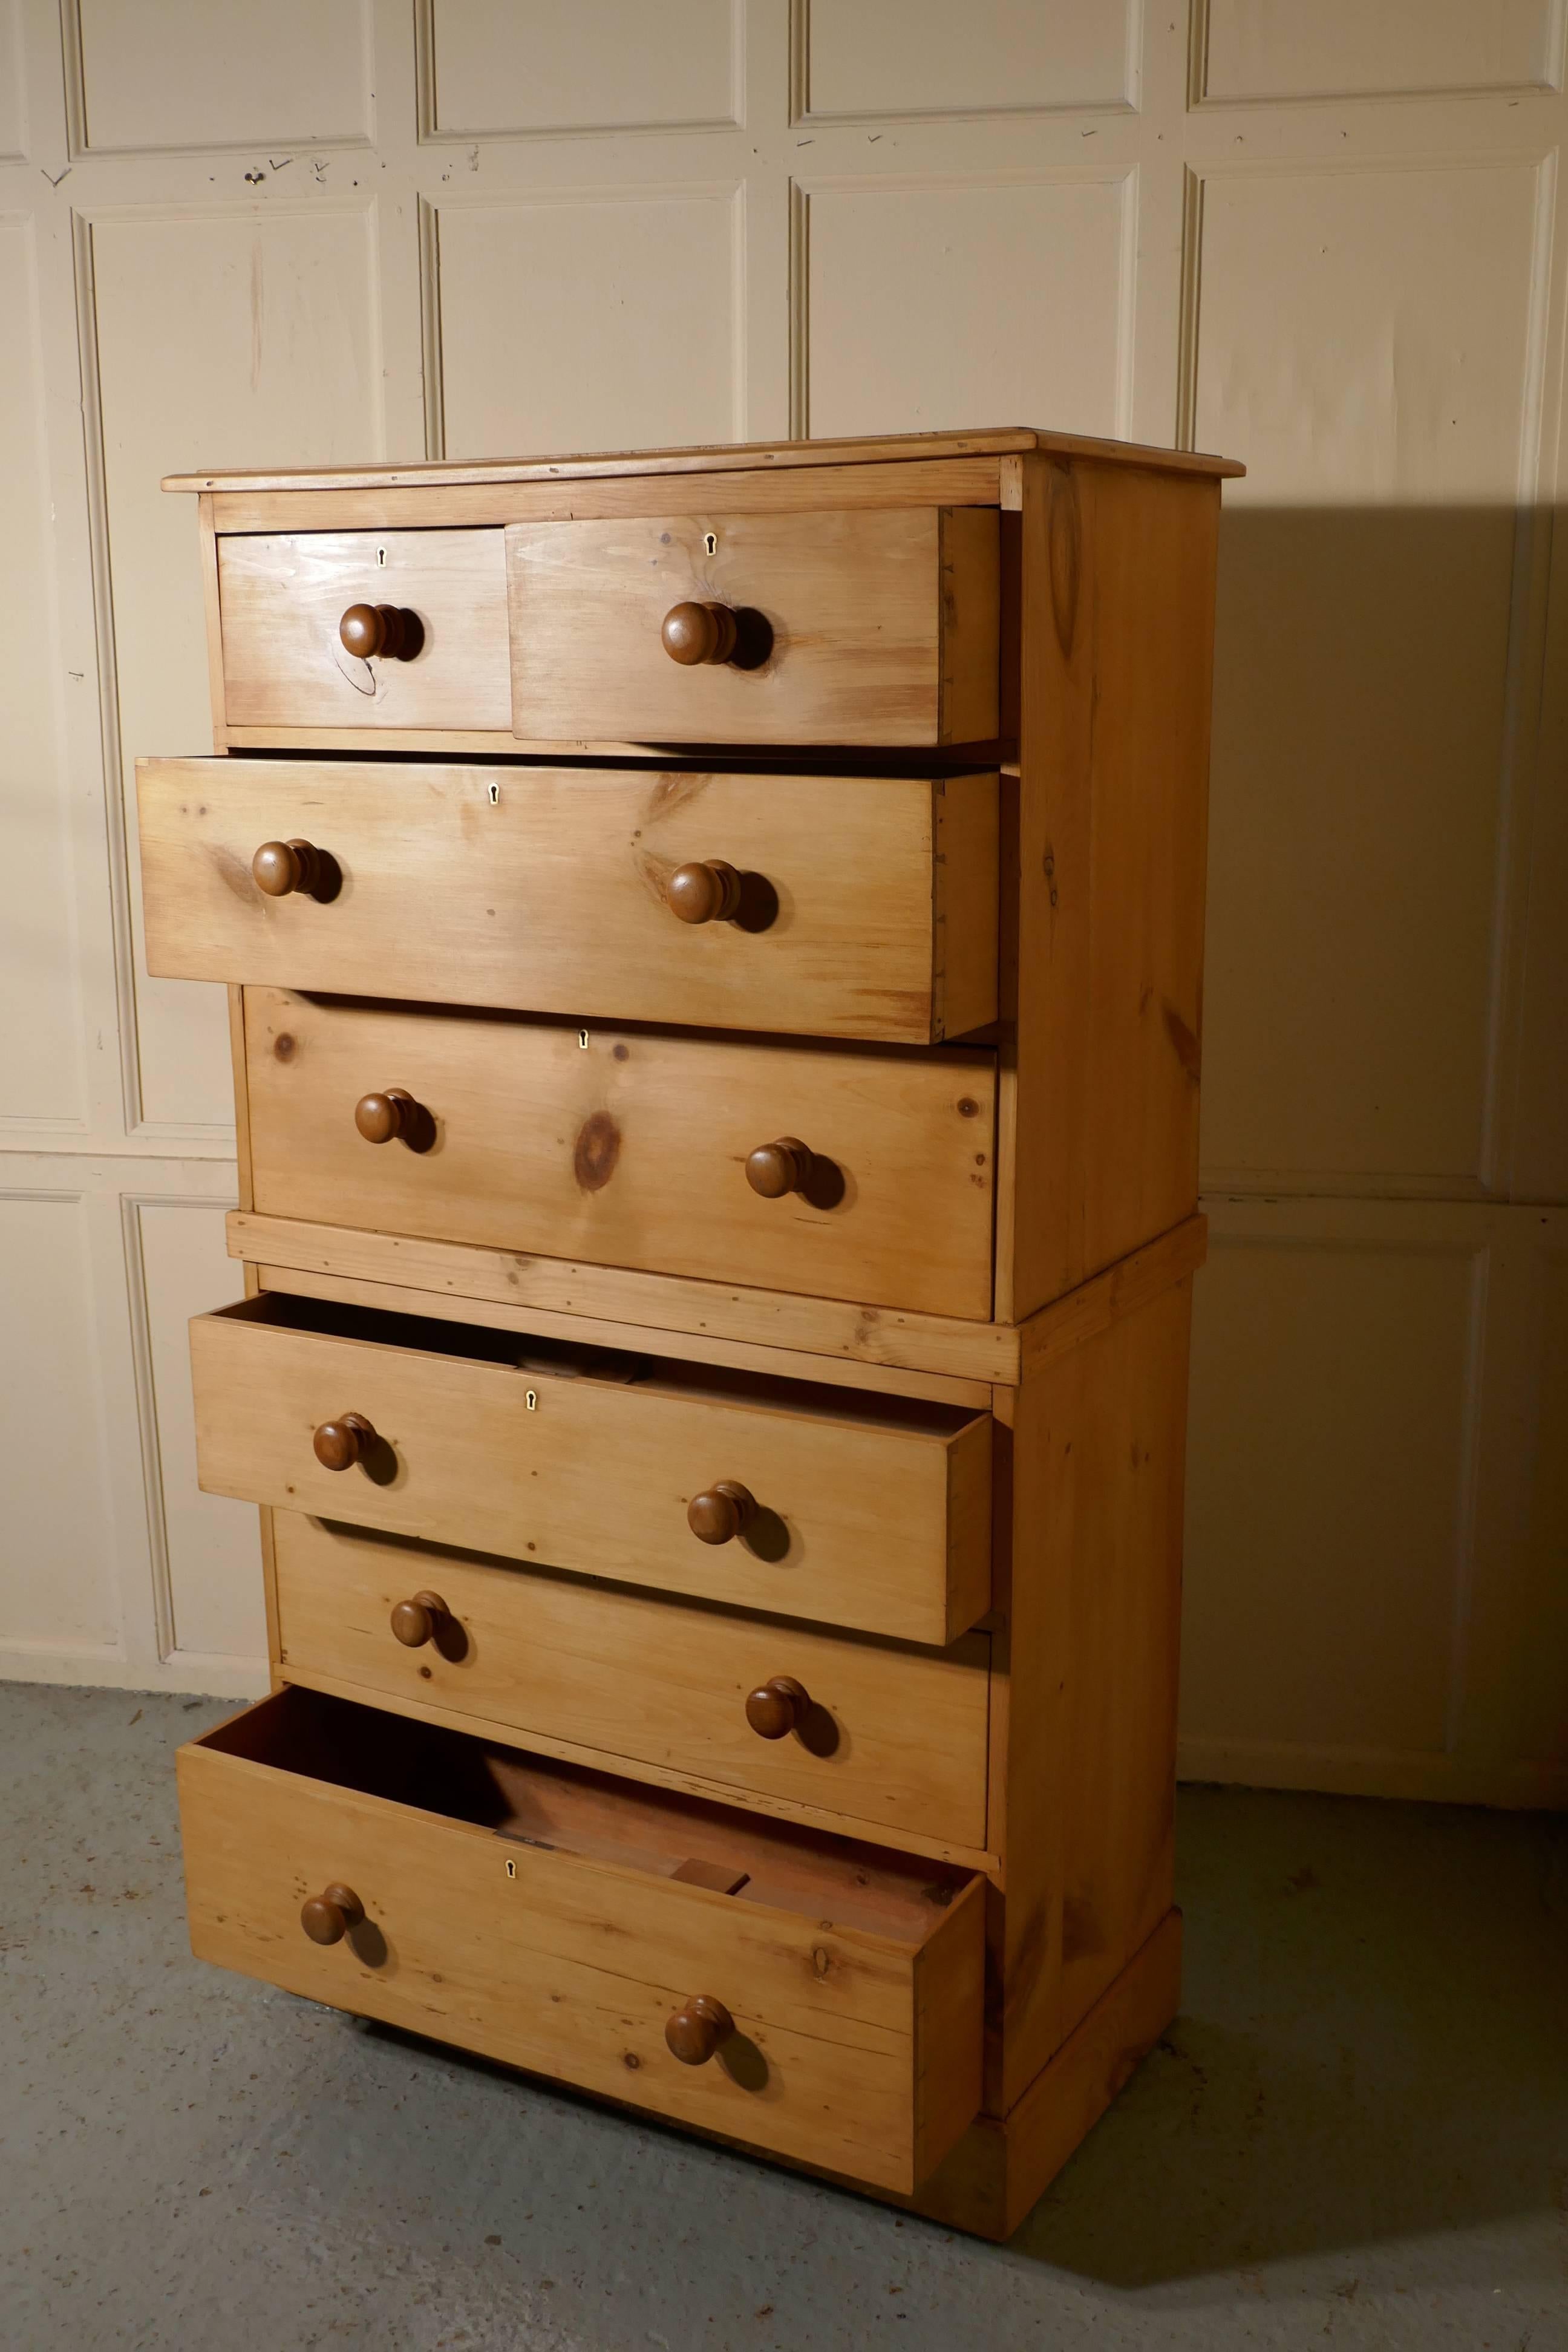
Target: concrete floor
[{"x": 1358, "y": 2129}]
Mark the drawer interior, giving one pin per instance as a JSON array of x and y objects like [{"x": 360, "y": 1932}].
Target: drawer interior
[
  {"x": 572, "y": 1359},
  {"x": 568, "y": 1809}
]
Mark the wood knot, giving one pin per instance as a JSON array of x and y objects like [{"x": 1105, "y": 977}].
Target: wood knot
[{"x": 597, "y": 1148}]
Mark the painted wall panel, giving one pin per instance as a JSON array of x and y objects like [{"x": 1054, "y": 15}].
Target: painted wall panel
[
  {"x": 1326, "y": 1491},
  {"x": 56, "y": 1562},
  {"x": 224, "y": 338},
  {"x": 13, "y": 122},
  {"x": 880, "y": 56},
  {"x": 41, "y": 1074},
  {"x": 1365, "y": 342},
  {"x": 219, "y": 73},
  {"x": 211, "y": 1545},
  {"x": 943, "y": 307},
  {"x": 1277, "y": 49},
  {"x": 570, "y": 65},
  {"x": 588, "y": 325}
]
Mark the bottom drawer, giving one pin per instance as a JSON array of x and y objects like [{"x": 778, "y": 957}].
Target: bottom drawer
[{"x": 814, "y": 1997}]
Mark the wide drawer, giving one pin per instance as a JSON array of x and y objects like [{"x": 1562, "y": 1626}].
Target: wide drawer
[
  {"x": 861, "y": 906},
  {"x": 874, "y": 628},
  {"x": 283, "y": 598},
  {"x": 632, "y": 1147},
  {"x": 829, "y": 2005},
  {"x": 890, "y": 1737},
  {"x": 867, "y": 1511}
]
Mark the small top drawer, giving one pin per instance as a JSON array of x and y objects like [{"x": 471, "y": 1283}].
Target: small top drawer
[
  {"x": 875, "y": 627},
  {"x": 296, "y": 605}
]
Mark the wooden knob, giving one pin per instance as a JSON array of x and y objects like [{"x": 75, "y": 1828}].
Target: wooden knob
[
  {"x": 340, "y": 1444},
  {"x": 699, "y": 2028},
  {"x": 389, "y": 630},
  {"x": 779, "y": 1706},
  {"x": 704, "y": 894},
  {"x": 415, "y": 1621},
  {"x": 775, "y": 1169},
  {"x": 721, "y": 1512},
  {"x": 328, "y": 1916},
  {"x": 699, "y": 633},
  {"x": 392, "y": 1112},
  {"x": 280, "y": 867}
]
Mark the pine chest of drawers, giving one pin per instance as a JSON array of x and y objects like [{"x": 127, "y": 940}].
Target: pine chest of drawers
[{"x": 715, "y": 953}]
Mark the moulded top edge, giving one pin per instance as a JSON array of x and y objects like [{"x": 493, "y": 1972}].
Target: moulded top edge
[{"x": 722, "y": 458}]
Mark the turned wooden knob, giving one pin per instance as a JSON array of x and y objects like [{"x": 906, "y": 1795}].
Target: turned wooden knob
[
  {"x": 781, "y": 1705},
  {"x": 721, "y": 1512},
  {"x": 392, "y": 1112},
  {"x": 389, "y": 630},
  {"x": 280, "y": 867},
  {"x": 415, "y": 1621},
  {"x": 699, "y": 2028},
  {"x": 340, "y": 1444},
  {"x": 706, "y": 893},
  {"x": 699, "y": 633},
  {"x": 774, "y": 1169},
  {"x": 328, "y": 1916}
]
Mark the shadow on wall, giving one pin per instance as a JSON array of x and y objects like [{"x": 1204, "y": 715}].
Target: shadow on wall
[{"x": 1374, "y": 706}]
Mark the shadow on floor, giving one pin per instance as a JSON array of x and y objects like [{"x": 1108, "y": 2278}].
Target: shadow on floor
[{"x": 1373, "y": 2044}]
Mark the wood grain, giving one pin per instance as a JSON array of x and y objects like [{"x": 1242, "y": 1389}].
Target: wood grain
[
  {"x": 1098, "y": 1094},
  {"x": 939, "y": 481},
  {"x": 1098, "y": 1459},
  {"x": 877, "y": 1510},
  {"x": 857, "y": 604},
  {"x": 245, "y": 1190},
  {"x": 720, "y": 1314},
  {"x": 212, "y": 612},
  {"x": 1001, "y": 2167},
  {"x": 630, "y": 1149},
  {"x": 896, "y": 1741},
  {"x": 504, "y": 1946},
  {"x": 868, "y": 907},
  {"x": 720, "y": 458},
  {"x": 284, "y": 594},
  {"x": 688, "y": 1347}
]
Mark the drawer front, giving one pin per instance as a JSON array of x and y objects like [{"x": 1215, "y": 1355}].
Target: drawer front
[
  {"x": 880, "y": 1522},
  {"x": 864, "y": 907},
  {"x": 853, "y": 2050},
  {"x": 892, "y": 1738},
  {"x": 871, "y": 627},
  {"x": 282, "y": 599},
  {"x": 632, "y": 1150}
]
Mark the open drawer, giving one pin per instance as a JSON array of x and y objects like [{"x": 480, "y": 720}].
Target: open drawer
[
  {"x": 825, "y": 1503},
  {"x": 818, "y": 1999}
]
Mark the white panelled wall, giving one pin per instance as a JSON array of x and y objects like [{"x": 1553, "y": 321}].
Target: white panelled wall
[{"x": 1326, "y": 236}]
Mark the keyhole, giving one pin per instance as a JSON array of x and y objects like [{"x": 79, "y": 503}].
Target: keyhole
[
  {"x": 510, "y": 1868},
  {"x": 495, "y": 796},
  {"x": 710, "y": 541},
  {"x": 583, "y": 1039},
  {"x": 381, "y": 558},
  {"x": 531, "y": 1398}
]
